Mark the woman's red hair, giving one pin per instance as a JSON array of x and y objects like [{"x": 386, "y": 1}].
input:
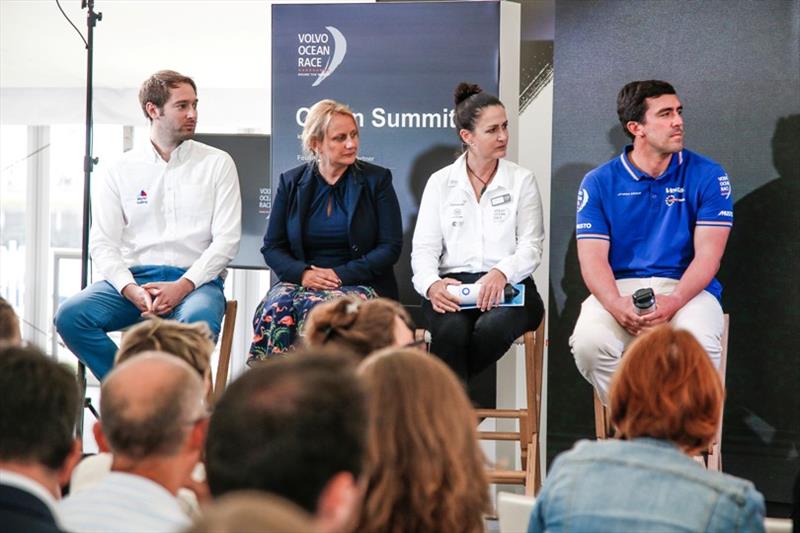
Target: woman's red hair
[{"x": 667, "y": 388}]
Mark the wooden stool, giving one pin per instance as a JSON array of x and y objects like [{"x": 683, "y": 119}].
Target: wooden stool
[
  {"x": 713, "y": 458},
  {"x": 528, "y": 417},
  {"x": 226, "y": 341}
]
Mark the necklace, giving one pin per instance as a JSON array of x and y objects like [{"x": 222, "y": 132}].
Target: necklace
[{"x": 484, "y": 182}]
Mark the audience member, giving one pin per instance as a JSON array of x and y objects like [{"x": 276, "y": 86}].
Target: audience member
[
  {"x": 37, "y": 448},
  {"x": 424, "y": 469},
  {"x": 296, "y": 428},
  {"x": 253, "y": 511},
  {"x": 153, "y": 421},
  {"x": 191, "y": 342},
  {"x": 359, "y": 326},
  {"x": 9, "y": 325},
  {"x": 649, "y": 480}
]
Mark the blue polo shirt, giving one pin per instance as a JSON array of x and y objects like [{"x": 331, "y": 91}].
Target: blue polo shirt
[{"x": 650, "y": 221}]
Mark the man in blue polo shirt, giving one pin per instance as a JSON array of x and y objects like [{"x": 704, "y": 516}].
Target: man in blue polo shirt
[{"x": 656, "y": 216}]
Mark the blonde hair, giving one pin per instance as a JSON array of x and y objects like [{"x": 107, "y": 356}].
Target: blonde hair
[
  {"x": 355, "y": 325},
  {"x": 317, "y": 121},
  {"x": 250, "y": 510},
  {"x": 190, "y": 342},
  {"x": 424, "y": 469}
]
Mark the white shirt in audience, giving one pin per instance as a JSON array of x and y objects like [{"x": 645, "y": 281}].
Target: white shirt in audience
[
  {"x": 94, "y": 468},
  {"x": 122, "y": 502}
]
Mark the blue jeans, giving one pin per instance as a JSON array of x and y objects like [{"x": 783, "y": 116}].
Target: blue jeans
[{"x": 84, "y": 319}]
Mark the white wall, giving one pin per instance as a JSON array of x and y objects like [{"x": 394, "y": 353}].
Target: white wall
[{"x": 223, "y": 45}]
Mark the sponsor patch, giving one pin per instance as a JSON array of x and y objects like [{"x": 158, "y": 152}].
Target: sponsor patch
[
  {"x": 583, "y": 199},
  {"x": 724, "y": 186}
]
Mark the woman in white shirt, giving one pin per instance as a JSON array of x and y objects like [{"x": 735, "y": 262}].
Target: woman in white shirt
[{"x": 480, "y": 221}]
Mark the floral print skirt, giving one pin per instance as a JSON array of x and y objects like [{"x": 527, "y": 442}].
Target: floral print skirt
[{"x": 281, "y": 315}]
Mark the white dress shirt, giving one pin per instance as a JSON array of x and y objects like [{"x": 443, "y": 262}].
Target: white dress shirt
[
  {"x": 122, "y": 502},
  {"x": 456, "y": 233},
  {"x": 184, "y": 213}
]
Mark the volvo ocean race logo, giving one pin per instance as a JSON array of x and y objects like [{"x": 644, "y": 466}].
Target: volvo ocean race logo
[
  {"x": 583, "y": 199},
  {"x": 318, "y": 54}
]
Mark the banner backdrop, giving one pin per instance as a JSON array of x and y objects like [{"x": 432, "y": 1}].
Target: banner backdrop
[{"x": 396, "y": 66}]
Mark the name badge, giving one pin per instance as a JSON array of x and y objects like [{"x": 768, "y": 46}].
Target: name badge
[{"x": 502, "y": 199}]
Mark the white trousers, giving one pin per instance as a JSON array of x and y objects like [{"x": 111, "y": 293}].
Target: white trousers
[{"x": 598, "y": 341}]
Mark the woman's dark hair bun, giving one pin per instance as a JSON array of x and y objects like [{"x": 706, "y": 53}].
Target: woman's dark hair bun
[{"x": 465, "y": 90}]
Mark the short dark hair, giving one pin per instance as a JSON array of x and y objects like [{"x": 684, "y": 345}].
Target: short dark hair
[
  {"x": 157, "y": 87},
  {"x": 470, "y": 100},
  {"x": 9, "y": 323},
  {"x": 39, "y": 408},
  {"x": 631, "y": 100},
  {"x": 287, "y": 427}
]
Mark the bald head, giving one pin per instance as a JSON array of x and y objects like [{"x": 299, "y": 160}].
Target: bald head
[{"x": 147, "y": 405}]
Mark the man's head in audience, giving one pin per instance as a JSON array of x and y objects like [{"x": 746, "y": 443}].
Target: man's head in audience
[
  {"x": 38, "y": 410},
  {"x": 296, "y": 428},
  {"x": 153, "y": 418},
  {"x": 9, "y": 325},
  {"x": 190, "y": 342}
]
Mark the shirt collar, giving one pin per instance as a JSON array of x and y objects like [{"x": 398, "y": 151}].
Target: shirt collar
[
  {"x": 181, "y": 152},
  {"x": 12, "y": 479},
  {"x": 459, "y": 177},
  {"x": 637, "y": 174}
]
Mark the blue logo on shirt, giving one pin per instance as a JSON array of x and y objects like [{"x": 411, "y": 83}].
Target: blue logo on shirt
[{"x": 142, "y": 198}]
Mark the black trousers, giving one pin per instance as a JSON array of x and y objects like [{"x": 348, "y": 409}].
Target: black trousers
[{"x": 470, "y": 340}]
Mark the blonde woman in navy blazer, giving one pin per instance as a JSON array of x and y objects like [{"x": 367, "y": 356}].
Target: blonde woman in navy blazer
[{"x": 334, "y": 229}]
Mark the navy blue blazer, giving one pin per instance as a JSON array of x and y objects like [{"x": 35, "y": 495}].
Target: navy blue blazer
[
  {"x": 21, "y": 511},
  {"x": 375, "y": 228}
]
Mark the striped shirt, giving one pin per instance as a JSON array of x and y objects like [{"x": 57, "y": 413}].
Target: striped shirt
[{"x": 122, "y": 503}]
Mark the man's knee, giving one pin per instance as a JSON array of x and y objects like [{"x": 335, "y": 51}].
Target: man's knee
[
  {"x": 68, "y": 315},
  {"x": 592, "y": 347},
  {"x": 206, "y": 306}
]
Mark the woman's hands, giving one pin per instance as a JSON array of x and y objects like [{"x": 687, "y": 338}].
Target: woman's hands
[
  {"x": 491, "y": 292},
  {"x": 441, "y": 300},
  {"x": 320, "y": 279}
]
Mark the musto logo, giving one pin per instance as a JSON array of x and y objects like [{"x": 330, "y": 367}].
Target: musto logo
[{"x": 318, "y": 54}]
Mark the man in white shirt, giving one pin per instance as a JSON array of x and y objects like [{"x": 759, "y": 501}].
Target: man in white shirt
[
  {"x": 37, "y": 447},
  {"x": 166, "y": 223},
  {"x": 154, "y": 424}
]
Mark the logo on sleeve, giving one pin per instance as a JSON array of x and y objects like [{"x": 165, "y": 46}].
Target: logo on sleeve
[
  {"x": 724, "y": 186},
  {"x": 142, "y": 198},
  {"x": 583, "y": 199}
]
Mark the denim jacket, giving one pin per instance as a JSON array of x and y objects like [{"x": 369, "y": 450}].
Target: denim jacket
[{"x": 642, "y": 485}]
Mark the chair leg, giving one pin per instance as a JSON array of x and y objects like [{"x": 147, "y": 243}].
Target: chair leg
[
  {"x": 226, "y": 342},
  {"x": 601, "y": 421}
]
